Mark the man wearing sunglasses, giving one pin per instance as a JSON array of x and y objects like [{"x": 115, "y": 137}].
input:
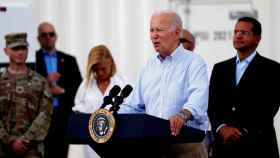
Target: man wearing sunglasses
[
  {"x": 64, "y": 78},
  {"x": 187, "y": 40},
  {"x": 25, "y": 104}
]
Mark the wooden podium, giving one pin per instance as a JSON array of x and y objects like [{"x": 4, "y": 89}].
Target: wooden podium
[{"x": 136, "y": 135}]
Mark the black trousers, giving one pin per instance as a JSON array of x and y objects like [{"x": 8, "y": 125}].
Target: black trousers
[{"x": 55, "y": 142}]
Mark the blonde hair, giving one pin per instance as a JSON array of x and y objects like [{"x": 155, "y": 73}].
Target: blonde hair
[{"x": 98, "y": 55}]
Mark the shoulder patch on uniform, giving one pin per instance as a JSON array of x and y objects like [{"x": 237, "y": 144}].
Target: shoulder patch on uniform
[{"x": 2, "y": 69}]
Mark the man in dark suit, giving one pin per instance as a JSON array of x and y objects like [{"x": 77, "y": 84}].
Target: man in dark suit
[
  {"x": 243, "y": 98},
  {"x": 63, "y": 75}
]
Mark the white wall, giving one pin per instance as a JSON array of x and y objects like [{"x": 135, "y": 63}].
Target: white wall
[
  {"x": 122, "y": 25},
  {"x": 23, "y": 23}
]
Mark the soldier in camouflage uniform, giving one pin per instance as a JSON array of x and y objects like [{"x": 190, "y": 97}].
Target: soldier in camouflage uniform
[{"x": 25, "y": 104}]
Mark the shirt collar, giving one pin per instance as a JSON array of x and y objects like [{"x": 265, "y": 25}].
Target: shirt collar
[
  {"x": 174, "y": 55},
  {"x": 46, "y": 53},
  {"x": 247, "y": 59}
]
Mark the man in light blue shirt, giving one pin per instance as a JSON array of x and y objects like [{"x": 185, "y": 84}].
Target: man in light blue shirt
[
  {"x": 241, "y": 66},
  {"x": 51, "y": 68},
  {"x": 173, "y": 84}
]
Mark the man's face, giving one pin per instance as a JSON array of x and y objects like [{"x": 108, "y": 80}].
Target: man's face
[
  {"x": 47, "y": 37},
  {"x": 17, "y": 55},
  {"x": 244, "y": 40},
  {"x": 164, "y": 37}
]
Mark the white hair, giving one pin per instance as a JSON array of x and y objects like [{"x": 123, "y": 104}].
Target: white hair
[{"x": 176, "y": 20}]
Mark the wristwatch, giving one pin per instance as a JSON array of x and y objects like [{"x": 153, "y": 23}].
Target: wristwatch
[{"x": 183, "y": 115}]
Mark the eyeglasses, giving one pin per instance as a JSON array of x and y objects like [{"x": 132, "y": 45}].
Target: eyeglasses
[
  {"x": 243, "y": 32},
  {"x": 45, "y": 34}
]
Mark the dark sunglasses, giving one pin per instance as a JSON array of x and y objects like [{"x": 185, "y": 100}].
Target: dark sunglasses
[
  {"x": 183, "y": 40},
  {"x": 45, "y": 34}
]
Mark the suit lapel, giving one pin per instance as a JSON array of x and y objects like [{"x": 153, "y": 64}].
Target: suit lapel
[
  {"x": 60, "y": 62},
  {"x": 232, "y": 72},
  {"x": 249, "y": 71},
  {"x": 43, "y": 63}
]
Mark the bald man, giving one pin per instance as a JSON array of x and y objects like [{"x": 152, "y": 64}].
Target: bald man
[
  {"x": 187, "y": 40},
  {"x": 63, "y": 75}
]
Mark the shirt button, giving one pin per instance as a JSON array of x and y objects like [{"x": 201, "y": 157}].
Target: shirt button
[{"x": 233, "y": 108}]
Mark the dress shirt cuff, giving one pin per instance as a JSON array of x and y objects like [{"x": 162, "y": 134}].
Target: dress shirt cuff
[
  {"x": 192, "y": 111},
  {"x": 185, "y": 114}
]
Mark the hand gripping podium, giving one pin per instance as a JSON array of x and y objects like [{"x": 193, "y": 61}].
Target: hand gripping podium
[{"x": 136, "y": 135}]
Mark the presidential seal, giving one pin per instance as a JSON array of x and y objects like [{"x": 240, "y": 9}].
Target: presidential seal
[{"x": 101, "y": 125}]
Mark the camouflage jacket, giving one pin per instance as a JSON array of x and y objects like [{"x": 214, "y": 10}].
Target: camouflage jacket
[{"x": 25, "y": 108}]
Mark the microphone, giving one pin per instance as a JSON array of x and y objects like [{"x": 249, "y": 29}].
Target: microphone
[
  {"x": 109, "y": 99},
  {"x": 115, "y": 91},
  {"x": 126, "y": 91},
  {"x": 118, "y": 100}
]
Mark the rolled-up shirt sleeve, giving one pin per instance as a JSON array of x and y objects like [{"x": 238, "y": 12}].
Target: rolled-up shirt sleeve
[{"x": 198, "y": 90}]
